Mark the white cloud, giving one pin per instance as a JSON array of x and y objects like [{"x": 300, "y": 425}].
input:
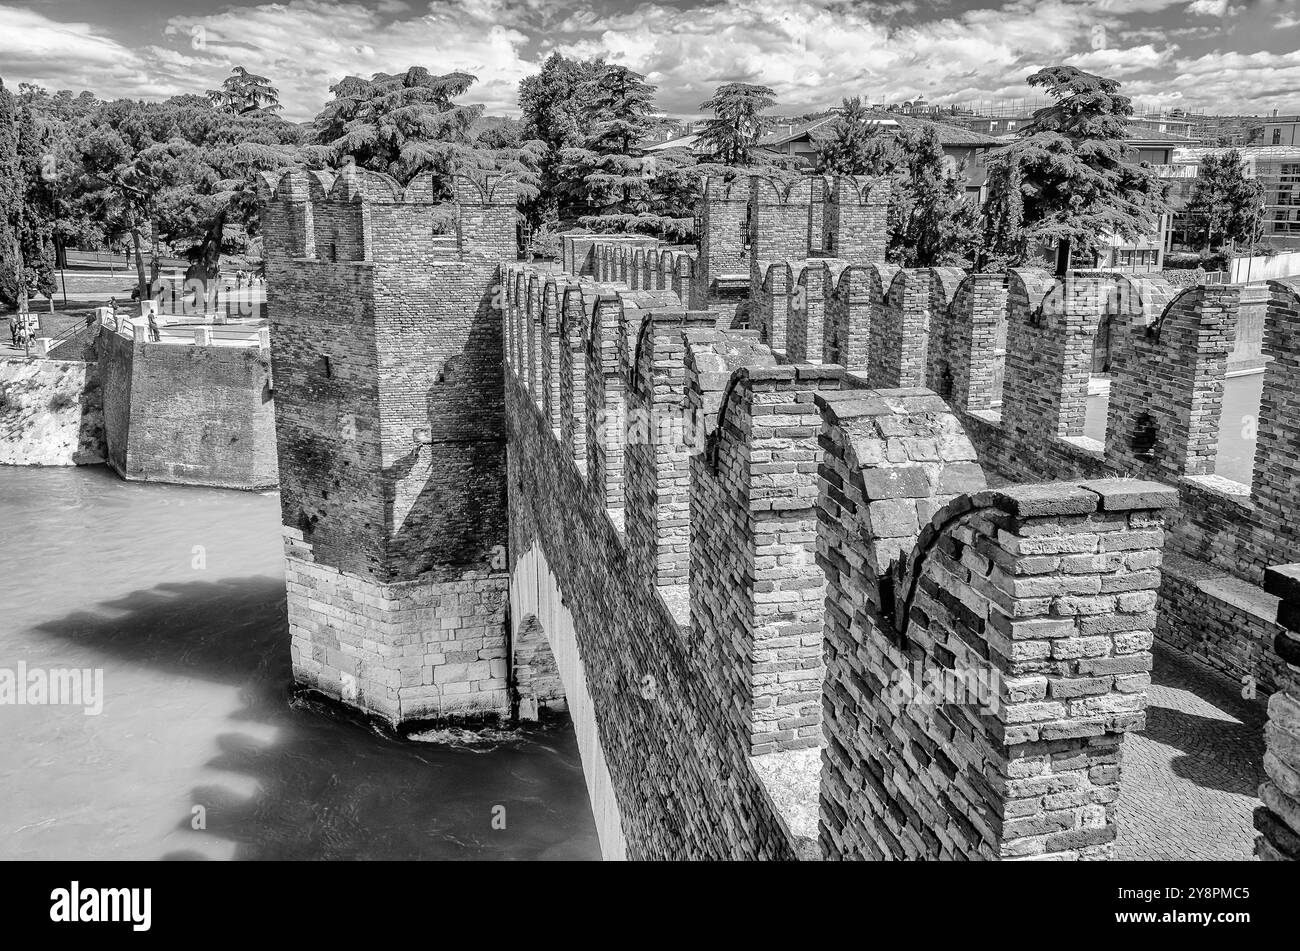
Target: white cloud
[
  {"x": 1120, "y": 63},
  {"x": 812, "y": 52}
]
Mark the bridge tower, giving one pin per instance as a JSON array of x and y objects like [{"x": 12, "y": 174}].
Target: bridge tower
[{"x": 386, "y": 334}]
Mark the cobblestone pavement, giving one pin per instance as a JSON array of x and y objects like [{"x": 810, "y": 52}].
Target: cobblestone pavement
[{"x": 1190, "y": 778}]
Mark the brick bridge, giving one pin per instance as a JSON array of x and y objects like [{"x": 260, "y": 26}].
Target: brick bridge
[{"x": 813, "y": 548}]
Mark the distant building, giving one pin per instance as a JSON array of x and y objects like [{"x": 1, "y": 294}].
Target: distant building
[
  {"x": 1282, "y": 130},
  {"x": 1147, "y": 252},
  {"x": 1153, "y": 125},
  {"x": 1276, "y": 167},
  {"x": 965, "y": 150}
]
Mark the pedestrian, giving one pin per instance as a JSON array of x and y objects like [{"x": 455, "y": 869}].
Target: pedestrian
[
  {"x": 154, "y": 334},
  {"x": 13, "y": 329}
]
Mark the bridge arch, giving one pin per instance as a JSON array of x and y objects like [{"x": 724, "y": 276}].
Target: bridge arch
[{"x": 537, "y": 608}]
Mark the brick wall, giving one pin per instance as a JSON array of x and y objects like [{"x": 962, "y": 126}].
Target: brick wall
[
  {"x": 757, "y": 591},
  {"x": 387, "y": 338},
  {"x": 738, "y": 635},
  {"x": 1278, "y": 818},
  {"x": 1018, "y": 621}
]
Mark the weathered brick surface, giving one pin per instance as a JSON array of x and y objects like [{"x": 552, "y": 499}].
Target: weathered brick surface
[
  {"x": 852, "y": 311},
  {"x": 900, "y": 330},
  {"x": 680, "y": 770},
  {"x": 1168, "y": 391},
  {"x": 977, "y": 688},
  {"x": 658, "y": 449},
  {"x": 756, "y": 589},
  {"x": 662, "y": 471},
  {"x": 961, "y": 364},
  {"x": 806, "y": 329},
  {"x": 387, "y": 355},
  {"x": 1278, "y": 819}
]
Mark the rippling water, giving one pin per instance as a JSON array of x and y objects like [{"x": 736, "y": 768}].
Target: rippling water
[{"x": 177, "y": 595}]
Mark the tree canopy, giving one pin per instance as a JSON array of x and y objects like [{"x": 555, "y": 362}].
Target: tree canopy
[
  {"x": 11, "y": 202},
  {"x": 1225, "y": 206},
  {"x": 403, "y": 124},
  {"x": 244, "y": 92},
  {"x": 1069, "y": 166},
  {"x": 733, "y": 131},
  {"x": 609, "y": 180},
  {"x": 857, "y": 144}
]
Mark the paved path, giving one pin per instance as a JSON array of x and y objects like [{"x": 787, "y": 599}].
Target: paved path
[{"x": 1190, "y": 779}]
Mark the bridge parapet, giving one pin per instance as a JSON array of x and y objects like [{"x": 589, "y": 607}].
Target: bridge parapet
[
  {"x": 740, "y": 627},
  {"x": 977, "y": 689},
  {"x": 1278, "y": 818}
]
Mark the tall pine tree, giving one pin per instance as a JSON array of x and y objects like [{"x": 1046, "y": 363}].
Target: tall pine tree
[
  {"x": 732, "y": 133},
  {"x": 1070, "y": 167},
  {"x": 856, "y": 144},
  {"x": 934, "y": 223},
  {"x": 1225, "y": 206},
  {"x": 610, "y": 176},
  {"x": 36, "y": 162},
  {"x": 11, "y": 204}
]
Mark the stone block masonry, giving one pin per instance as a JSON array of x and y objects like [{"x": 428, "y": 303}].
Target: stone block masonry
[{"x": 196, "y": 415}]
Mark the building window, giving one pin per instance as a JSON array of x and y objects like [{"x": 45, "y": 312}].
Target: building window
[{"x": 1277, "y": 136}]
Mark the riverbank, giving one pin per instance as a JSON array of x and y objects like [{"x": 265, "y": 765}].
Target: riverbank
[{"x": 51, "y": 413}]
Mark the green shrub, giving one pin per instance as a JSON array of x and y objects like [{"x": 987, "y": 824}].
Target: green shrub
[{"x": 61, "y": 401}]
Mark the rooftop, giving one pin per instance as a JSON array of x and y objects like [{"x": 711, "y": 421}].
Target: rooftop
[{"x": 820, "y": 127}]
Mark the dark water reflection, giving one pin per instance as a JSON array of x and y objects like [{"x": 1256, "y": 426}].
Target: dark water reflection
[{"x": 177, "y": 594}]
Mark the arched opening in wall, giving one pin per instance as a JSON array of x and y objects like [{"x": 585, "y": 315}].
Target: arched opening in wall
[
  {"x": 999, "y": 359},
  {"x": 945, "y": 380},
  {"x": 1243, "y": 387},
  {"x": 535, "y": 675},
  {"x": 1145, "y": 439},
  {"x": 444, "y": 231},
  {"x": 1109, "y": 327}
]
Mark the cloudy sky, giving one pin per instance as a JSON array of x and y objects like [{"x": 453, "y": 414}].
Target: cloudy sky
[{"x": 1215, "y": 54}]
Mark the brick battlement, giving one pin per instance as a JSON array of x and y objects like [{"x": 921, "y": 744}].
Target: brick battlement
[
  {"x": 754, "y": 513},
  {"x": 358, "y": 217},
  {"x": 775, "y": 477},
  {"x": 1013, "y": 356}
]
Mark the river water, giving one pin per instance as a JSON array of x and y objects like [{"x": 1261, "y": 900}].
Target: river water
[
  {"x": 1238, "y": 422},
  {"x": 176, "y": 594}
]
